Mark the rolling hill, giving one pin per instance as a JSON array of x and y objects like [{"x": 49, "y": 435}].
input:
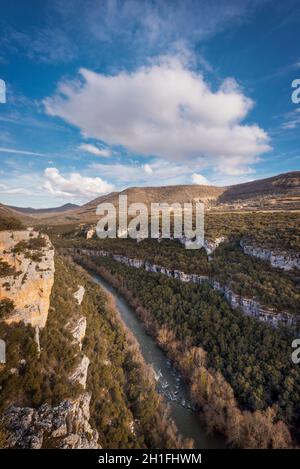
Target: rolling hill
[
  {"x": 6, "y": 212},
  {"x": 281, "y": 192},
  {"x": 44, "y": 211}
]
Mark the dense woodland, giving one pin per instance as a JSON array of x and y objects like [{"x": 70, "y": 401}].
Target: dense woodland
[
  {"x": 274, "y": 230},
  {"x": 245, "y": 374},
  {"x": 245, "y": 275}
]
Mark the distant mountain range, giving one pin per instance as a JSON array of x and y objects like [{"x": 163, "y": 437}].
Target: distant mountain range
[
  {"x": 280, "y": 192},
  {"x": 41, "y": 211}
]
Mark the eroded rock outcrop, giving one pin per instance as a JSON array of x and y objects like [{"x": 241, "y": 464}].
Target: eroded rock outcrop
[
  {"x": 63, "y": 426},
  {"x": 280, "y": 259},
  {"x": 210, "y": 246},
  {"x": 252, "y": 307},
  {"x": 79, "y": 375},
  {"x": 79, "y": 294},
  {"x": 90, "y": 233},
  {"x": 30, "y": 287},
  {"x": 78, "y": 330}
]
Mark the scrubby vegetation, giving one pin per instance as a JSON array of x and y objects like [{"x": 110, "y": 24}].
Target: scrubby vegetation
[
  {"x": 262, "y": 384},
  {"x": 38, "y": 379},
  {"x": 10, "y": 223},
  {"x": 6, "y": 308},
  {"x": 31, "y": 248},
  {"x": 6, "y": 270},
  {"x": 20, "y": 381}
]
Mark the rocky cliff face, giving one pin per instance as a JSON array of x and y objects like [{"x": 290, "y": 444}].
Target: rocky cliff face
[
  {"x": 79, "y": 375},
  {"x": 30, "y": 287},
  {"x": 78, "y": 330},
  {"x": 79, "y": 294},
  {"x": 64, "y": 426},
  {"x": 210, "y": 246},
  {"x": 280, "y": 259},
  {"x": 28, "y": 284},
  {"x": 249, "y": 306}
]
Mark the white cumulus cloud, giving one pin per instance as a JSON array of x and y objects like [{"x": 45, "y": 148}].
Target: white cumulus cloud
[
  {"x": 199, "y": 179},
  {"x": 75, "y": 185},
  {"x": 164, "y": 110},
  {"x": 148, "y": 169}
]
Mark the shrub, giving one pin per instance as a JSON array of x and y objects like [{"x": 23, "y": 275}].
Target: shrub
[
  {"x": 6, "y": 269},
  {"x": 6, "y": 308}
]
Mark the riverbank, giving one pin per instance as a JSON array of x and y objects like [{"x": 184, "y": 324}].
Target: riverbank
[{"x": 169, "y": 382}]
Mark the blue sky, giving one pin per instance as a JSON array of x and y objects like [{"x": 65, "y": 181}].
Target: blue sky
[{"x": 102, "y": 95}]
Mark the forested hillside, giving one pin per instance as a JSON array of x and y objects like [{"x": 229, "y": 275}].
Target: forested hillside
[
  {"x": 243, "y": 274},
  {"x": 261, "y": 384}
]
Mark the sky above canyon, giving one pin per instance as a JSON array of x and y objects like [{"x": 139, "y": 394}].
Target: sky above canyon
[{"x": 102, "y": 95}]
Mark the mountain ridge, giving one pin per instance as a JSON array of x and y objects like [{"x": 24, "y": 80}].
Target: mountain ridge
[
  {"x": 280, "y": 192},
  {"x": 36, "y": 211}
]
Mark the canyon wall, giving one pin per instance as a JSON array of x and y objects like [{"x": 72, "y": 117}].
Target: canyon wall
[
  {"x": 280, "y": 259},
  {"x": 27, "y": 258},
  {"x": 31, "y": 284},
  {"x": 249, "y": 306}
]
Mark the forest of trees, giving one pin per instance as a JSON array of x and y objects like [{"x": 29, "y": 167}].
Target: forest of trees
[
  {"x": 267, "y": 229},
  {"x": 243, "y": 274},
  {"x": 242, "y": 377},
  {"x": 274, "y": 230}
]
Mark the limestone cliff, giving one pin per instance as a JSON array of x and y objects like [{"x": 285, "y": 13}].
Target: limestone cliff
[
  {"x": 63, "y": 426},
  {"x": 30, "y": 286},
  {"x": 79, "y": 294},
  {"x": 280, "y": 259},
  {"x": 211, "y": 245},
  {"x": 78, "y": 330},
  {"x": 79, "y": 375}
]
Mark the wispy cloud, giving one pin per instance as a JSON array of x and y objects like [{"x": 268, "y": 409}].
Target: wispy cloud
[
  {"x": 20, "y": 152},
  {"x": 94, "y": 150},
  {"x": 291, "y": 120},
  {"x": 155, "y": 172},
  {"x": 14, "y": 191},
  {"x": 153, "y": 26},
  {"x": 49, "y": 45}
]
